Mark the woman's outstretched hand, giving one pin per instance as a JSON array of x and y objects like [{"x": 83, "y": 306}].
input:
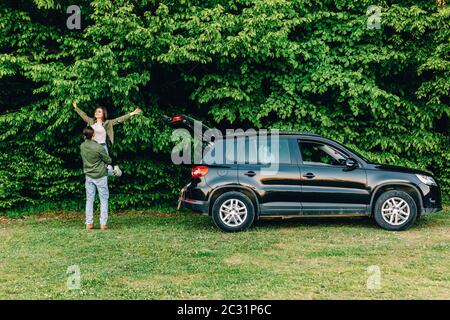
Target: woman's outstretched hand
[{"x": 136, "y": 112}]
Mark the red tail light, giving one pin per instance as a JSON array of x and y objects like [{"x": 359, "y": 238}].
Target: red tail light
[
  {"x": 177, "y": 118},
  {"x": 199, "y": 171}
]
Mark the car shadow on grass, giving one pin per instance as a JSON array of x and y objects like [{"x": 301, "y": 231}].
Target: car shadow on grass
[
  {"x": 194, "y": 221},
  {"x": 427, "y": 222},
  {"x": 179, "y": 220},
  {"x": 186, "y": 220},
  {"x": 316, "y": 222}
]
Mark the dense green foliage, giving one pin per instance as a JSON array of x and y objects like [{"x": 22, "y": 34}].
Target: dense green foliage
[{"x": 289, "y": 64}]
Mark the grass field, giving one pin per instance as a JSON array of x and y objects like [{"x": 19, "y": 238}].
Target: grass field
[{"x": 181, "y": 255}]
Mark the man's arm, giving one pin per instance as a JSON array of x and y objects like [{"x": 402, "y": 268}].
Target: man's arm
[
  {"x": 104, "y": 156},
  {"x": 82, "y": 114}
]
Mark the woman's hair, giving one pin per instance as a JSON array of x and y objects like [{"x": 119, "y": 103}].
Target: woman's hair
[
  {"x": 105, "y": 112},
  {"x": 88, "y": 132}
]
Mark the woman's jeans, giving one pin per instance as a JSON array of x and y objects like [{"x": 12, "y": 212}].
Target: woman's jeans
[
  {"x": 109, "y": 167},
  {"x": 101, "y": 185}
]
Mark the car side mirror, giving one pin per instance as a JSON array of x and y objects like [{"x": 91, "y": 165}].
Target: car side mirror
[{"x": 351, "y": 163}]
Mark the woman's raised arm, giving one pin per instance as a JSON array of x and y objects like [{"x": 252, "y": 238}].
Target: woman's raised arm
[
  {"x": 82, "y": 114},
  {"x": 126, "y": 116}
]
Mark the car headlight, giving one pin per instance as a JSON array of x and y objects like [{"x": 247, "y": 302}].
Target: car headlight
[{"x": 426, "y": 179}]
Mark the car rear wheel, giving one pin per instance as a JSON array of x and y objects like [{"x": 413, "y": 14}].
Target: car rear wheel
[
  {"x": 233, "y": 212},
  {"x": 395, "y": 210}
]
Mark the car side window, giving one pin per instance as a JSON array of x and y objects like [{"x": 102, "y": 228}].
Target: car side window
[
  {"x": 219, "y": 153},
  {"x": 261, "y": 151},
  {"x": 318, "y": 153}
]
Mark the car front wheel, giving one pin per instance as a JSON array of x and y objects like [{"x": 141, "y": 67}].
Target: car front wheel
[
  {"x": 233, "y": 211},
  {"x": 395, "y": 210}
]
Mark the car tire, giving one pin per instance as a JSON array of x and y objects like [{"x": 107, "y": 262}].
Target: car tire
[
  {"x": 233, "y": 212},
  {"x": 395, "y": 210}
]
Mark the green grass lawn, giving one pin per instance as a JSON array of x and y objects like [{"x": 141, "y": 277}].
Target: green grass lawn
[{"x": 181, "y": 255}]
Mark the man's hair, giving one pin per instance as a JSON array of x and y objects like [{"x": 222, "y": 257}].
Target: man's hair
[{"x": 88, "y": 132}]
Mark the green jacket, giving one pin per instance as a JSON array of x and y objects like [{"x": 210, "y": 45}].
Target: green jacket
[
  {"x": 108, "y": 124},
  {"x": 95, "y": 159}
]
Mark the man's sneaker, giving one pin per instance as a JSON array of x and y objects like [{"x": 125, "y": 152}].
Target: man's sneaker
[
  {"x": 89, "y": 226},
  {"x": 104, "y": 227},
  {"x": 117, "y": 171}
]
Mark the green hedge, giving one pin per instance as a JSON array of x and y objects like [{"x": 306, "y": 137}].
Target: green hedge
[{"x": 292, "y": 64}]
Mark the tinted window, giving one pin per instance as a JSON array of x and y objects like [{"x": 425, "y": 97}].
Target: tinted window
[
  {"x": 215, "y": 153},
  {"x": 221, "y": 152},
  {"x": 318, "y": 153},
  {"x": 263, "y": 150},
  {"x": 248, "y": 150}
]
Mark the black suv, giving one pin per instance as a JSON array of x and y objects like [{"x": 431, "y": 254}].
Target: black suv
[{"x": 314, "y": 177}]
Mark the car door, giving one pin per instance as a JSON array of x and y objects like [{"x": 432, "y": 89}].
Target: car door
[
  {"x": 328, "y": 185},
  {"x": 274, "y": 176}
]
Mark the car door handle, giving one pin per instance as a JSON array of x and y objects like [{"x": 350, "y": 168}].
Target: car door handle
[
  {"x": 309, "y": 175},
  {"x": 250, "y": 173}
]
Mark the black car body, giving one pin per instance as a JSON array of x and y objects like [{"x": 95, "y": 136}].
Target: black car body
[{"x": 315, "y": 176}]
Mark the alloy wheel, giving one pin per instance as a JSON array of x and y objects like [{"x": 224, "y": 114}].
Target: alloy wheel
[
  {"x": 233, "y": 212},
  {"x": 395, "y": 211}
]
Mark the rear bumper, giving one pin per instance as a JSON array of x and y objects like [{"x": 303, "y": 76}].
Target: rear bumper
[
  {"x": 195, "y": 205},
  {"x": 192, "y": 204}
]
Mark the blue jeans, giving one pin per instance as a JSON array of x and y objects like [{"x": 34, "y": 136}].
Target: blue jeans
[
  {"x": 101, "y": 185},
  {"x": 109, "y": 167}
]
